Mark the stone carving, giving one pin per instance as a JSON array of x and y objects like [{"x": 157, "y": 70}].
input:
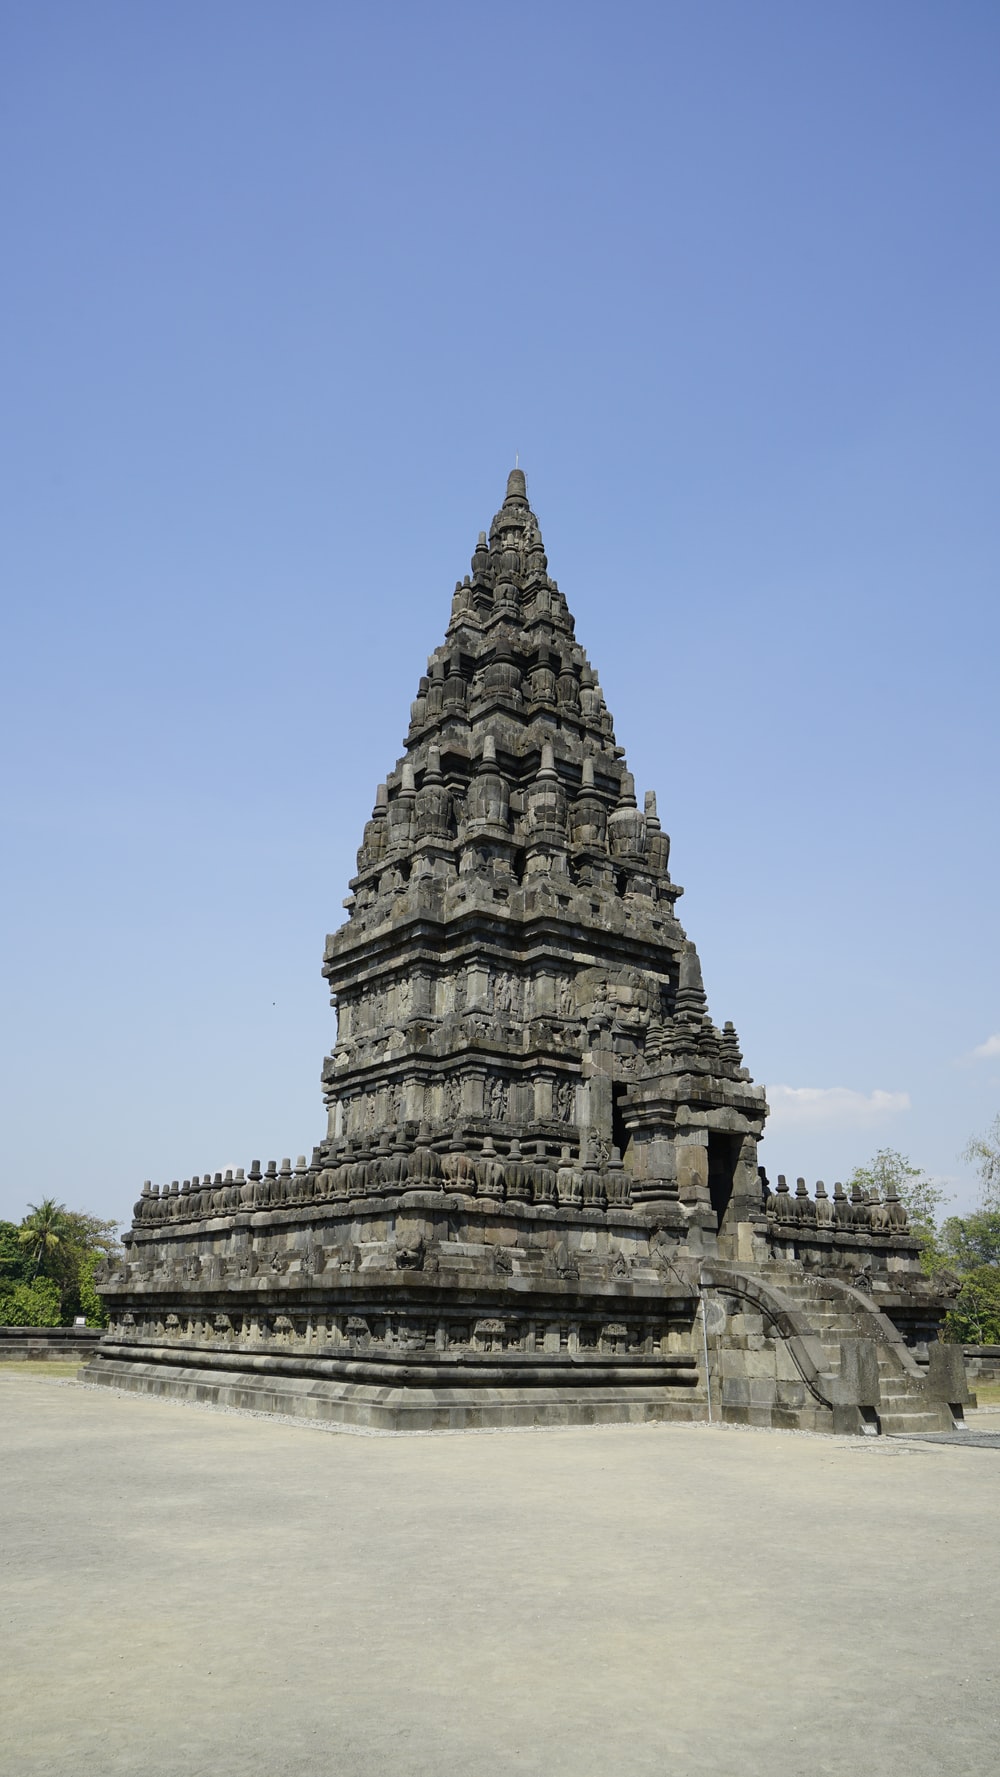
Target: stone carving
[
  {"x": 564, "y": 1099},
  {"x": 490, "y": 1171},
  {"x": 564, "y": 1263},
  {"x": 503, "y": 993},
  {"x": 410, "y": 1249}
]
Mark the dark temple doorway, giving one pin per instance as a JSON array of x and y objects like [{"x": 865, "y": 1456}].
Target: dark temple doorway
[
  {"x": 619, "y": 1133},
  {"x": 723, "y": 1159}
]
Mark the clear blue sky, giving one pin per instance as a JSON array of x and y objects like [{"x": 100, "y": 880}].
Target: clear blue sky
[{"x": 285, "y": 287}]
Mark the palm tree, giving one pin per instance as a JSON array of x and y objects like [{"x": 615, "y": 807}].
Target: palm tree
[{"x": 43, "y": 1232}]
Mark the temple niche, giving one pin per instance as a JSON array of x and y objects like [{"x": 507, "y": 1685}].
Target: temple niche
[{"x": 539, "y": 1171}]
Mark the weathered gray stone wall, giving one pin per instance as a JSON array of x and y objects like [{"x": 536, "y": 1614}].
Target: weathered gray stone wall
[
  {"x": 41, "y": 1343},
  {"x": 982, "y": 1363}
]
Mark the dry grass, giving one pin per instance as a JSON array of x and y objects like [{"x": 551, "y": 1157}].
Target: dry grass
[
  {"x": 987, "y": 1393},
  {"x": 29, "y": 1366}
]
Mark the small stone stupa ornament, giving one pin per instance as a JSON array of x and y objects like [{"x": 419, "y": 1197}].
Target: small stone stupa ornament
[{"x": 538, "y": 1143}]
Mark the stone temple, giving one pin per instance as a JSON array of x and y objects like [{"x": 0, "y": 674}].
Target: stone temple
[{"x": 537, "y": 1198}]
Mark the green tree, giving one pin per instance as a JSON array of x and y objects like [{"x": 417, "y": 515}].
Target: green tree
[
  {"x": 35, "y": 1304},
  {"x": 983, "y": 1151},
  {"x": 14, "y": 1263},
  {"x": 917, "y": 1192},
  {"x": 974, "y": 1317},
  {"x": 967, "y": 1242},
  {"x": 969, "y": 1248},
  {"x": 53, "y": 1256},
  {"x": 88, "y": 1240},
  {"x": 90, "y": 1303},
  {"x": 43, "y": 1236},
  {"x": 90, "y": 1233}
]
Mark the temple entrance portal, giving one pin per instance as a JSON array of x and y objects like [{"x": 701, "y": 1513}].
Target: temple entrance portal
[{"x": 723, "y": 1159}]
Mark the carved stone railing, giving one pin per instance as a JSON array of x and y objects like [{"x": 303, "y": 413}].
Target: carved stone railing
[
  {"x": 858, "y": 1213},
  {"x": 486, "y": 1173}
]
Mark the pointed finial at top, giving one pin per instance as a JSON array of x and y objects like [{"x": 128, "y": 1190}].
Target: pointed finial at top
[{"x": 517, "y": 488}]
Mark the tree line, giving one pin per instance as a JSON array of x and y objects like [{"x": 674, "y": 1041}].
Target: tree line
[
  {"x": 47, "y": 1264},
  {"x": 963, "y": 1251}
]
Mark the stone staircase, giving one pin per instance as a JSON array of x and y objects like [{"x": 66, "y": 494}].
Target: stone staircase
[{"x": 848, "y": 1325}]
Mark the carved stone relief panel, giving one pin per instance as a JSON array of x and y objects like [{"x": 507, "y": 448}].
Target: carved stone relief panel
[
  {"x": 444, "y": 996},
  {"x": 498, "y": 1099},
  {"x": 564, "y": 1101}
]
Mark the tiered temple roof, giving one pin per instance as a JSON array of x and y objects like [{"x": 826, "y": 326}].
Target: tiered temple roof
[{"x": 513, "y": 961}]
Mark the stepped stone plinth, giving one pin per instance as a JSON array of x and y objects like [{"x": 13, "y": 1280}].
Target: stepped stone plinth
[{"x": 540, "y": 1153}]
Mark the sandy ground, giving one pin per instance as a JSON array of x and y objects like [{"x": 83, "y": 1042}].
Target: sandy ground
[{"x": 212, "y": 1595}]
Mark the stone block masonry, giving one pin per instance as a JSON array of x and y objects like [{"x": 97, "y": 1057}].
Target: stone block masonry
[
  {"x": 538, "y": 1144},
  {"x": 47, "y": 1344}
]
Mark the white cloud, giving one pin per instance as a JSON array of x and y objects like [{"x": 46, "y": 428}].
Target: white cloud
[
  {"x": 988, "y": 1051},
  {"x": 833, "y": 1105}
]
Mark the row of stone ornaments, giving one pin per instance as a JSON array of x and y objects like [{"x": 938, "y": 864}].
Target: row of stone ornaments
[
  {"x": 530, "y": 680},
  {"x": 510, "y": 578},
  {"x": 855, "y": 1214},
  {"x": 581, "y": 1182},
  {"x": 522, "y": 680},
  {"x": 589, "y": 820},
  {"x": 509, "y": 587},
  {"x": 499, "y": 656}
]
